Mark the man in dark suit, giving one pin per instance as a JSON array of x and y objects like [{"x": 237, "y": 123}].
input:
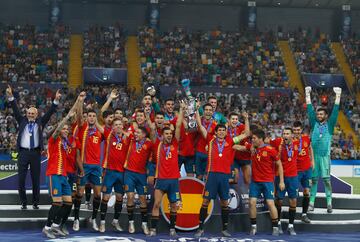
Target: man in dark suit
[{"x": 30, "y": 144}]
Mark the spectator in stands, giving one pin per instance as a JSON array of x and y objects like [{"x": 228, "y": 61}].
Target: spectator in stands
[{"x": 104, "y": 47}]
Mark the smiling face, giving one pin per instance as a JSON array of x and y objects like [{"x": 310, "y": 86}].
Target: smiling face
[
  {"x": 147, "y": 101},
  {"x": 167, "y": 136},
  {"x": 169, "y": 106},
  {"x": 140, "y": 118},
  {"x": 220, "y": 132},
  {"x": 287, "y": 135},
  {"x": 117, "y": 126},
  {"x": 159, "y": 120},
  {"x": 234, "y": 120},
  {"x": 297, "y": 131},
  {"x": 321, "y": 116},
  {"x": 213, "y": 103},
  {"x": 208, "y": 112},
  {"x": 139, "y": 135},
  {"x": 31, "y": 114},
  {"x": 91, "y": 118}
]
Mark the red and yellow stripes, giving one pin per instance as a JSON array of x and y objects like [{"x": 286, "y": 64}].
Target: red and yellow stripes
[
  {"x": 128, "y": 153},
  {"x": 158, "y": 153},
  {"x": 60, "y": 158},
  {"x": 83, "y": 143},
  {"x": 210, "y": 156},
  {"x": 107, "y": 149}
]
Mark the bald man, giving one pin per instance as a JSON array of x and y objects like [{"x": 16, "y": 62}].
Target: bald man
[{"x": 30, "y": 144}]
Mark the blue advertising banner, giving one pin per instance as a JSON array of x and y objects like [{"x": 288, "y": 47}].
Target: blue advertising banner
[
  {"x": 252, "y": 15},
  {"x": 99, "y": 75},
  {"x": 318, "y": 80},
  {"x": 154, "y": 14},
  {"x": 346, "y": 22}
]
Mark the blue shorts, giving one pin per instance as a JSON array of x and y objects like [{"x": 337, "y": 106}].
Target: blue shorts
[
  {"x": 264, "y": 188},
  {"x": 113, "y": 179},
  {"x": 134, "y": 180},
  {"x": 200, "y": 163},
  {"x": 170, "y": 187},
  {"x": 291, "y": 187},
  {"x": 304, "y": 178},
  {"x": 240, "y": 163},
  {"x": 150, "y": 168},
  {"x": 59, "y": 186},
  {"x": 92, "y": 175},
  {"x": 188, "y": 162},
  {"x": 217, "y": 184},
  {"x": 72, "y": 180}
]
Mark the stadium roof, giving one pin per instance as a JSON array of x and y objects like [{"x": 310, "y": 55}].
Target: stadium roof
[{"x": 334, "y": 4}]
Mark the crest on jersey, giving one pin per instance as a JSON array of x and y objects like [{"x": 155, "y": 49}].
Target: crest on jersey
[
  {"x": 296, "y": 147},
  {"x": 305, "y": 144},
  {"x": 264, "y": 153},
  {"x": 55, "y": 191}
]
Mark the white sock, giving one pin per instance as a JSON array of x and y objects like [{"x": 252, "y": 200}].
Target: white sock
[
  {"x": 115, "y": 220},
  {"x": 102, "y": 221},
  {"x": 290, "y": 226},
  {"x": 253, "y": 225},
  {"x": 47, "y": 228}
]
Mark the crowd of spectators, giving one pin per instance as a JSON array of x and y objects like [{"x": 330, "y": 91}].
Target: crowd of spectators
[
  {"x": 216, "y": 58},
  {"x": 31, "y": 55},
  {"x": 352, "y": 51},
  {"x": 105, "y": 47},
  {"x": 312, "y": 52}
]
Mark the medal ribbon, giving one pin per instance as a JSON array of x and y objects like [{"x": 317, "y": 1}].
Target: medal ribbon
[{"x": 220, "y": 148}]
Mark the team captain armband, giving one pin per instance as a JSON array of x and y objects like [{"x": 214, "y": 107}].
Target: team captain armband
[{"x": 237, "y": 139}]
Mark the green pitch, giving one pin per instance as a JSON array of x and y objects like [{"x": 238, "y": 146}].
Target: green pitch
[
  {"x": 355, "y": 181},
  {"x": 5, "y": 174}
]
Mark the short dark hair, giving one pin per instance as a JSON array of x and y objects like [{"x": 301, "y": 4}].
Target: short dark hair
[
  {"x": 107, "y": 114},
  {"x": 218, "y": 126},
  {"x": 169, "y": 99},
  {"x": 91, "y": 111},
  {"x": 259, "y": 133},
  {"x": 147, "y": 94},
  {"x": 118, "y": 109},
  {"x": 233, "y": 114},
  {"x": 159, "y": 113},
  {"x": 140, "y": 111},
  {"x": 297, "y": 124},
  {"x": 211, "y": 97},
  {"x": 288, "y": 128},
  {"x": 207, "y": 104},
  {"x": 322, "y": 109},
  {"x": 165, "y": 128},
  {"x": 144, "y": 130}
]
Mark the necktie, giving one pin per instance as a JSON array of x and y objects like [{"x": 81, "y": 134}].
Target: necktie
[{"x": 31, "y": 131}]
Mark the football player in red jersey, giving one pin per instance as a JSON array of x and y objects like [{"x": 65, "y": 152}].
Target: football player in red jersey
[
  {"x": 59, "y": 187},
  {"x": 135, "y": 177},
  {"x": 169, "y": 115},
  {"x": 263, "y": 161},
  {"x": 305, "y": 163},
  {"x": 288, "y": 152},
  {"x": 90, "y": 137},
  {"x": 187, "y": 148},
  {"x": 167, "y": 174},
  {"x": 220, "y": 159},
  {"x": 209, "y": 123},
  {"x": 242, "y": 158},
  {"x": 116, "y": 148}
]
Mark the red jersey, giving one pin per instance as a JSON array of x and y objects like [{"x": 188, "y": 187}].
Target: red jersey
[
  {"x": 277, "y": 143},
  {"x": 90, "y": 141},
  {"x": 138, "y": 155},
  {"x": 202, "y": 142},
  {"x": 303, "y": 159},
  {"x": 288, "y": 155},
  {"x": 72, "y": 147},
  {"x": 57, "y": 153},
  {"x": 171, "y": 119},
  {"x": 187, "y": 142},
  {"x": 116, "y": 148},
  {"x": 240, "y": 155},
  {"x": 167, "y": 166},
  {"x": 220, "y": 155},
  {"x": 263, "y": 164}
]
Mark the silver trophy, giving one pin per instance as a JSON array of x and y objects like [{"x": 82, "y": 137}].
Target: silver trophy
[{"x": 191, "y": 105}]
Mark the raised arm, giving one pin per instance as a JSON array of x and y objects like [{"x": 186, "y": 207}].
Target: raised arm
[
  {"x": 80, "y": 108},
  {"x": 180, "y": 120},
  {"x": 99, "y": 127},
  {"x": 45, "y": 119},
  {"x": 13, "y": 104},
  {"x": 201, "y": 128},
  {"x": 310, "y": 108},
  {"x": 62, "y": 123},
  {"x": 335, "y": 110}
]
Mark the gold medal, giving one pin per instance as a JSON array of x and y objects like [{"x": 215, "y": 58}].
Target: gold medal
[
  {"x": 30, "y": 135},
  {"x": 289, "y": 159},
  {"x": 220, "y": 155},
  {"x": 114, "y": 143}
]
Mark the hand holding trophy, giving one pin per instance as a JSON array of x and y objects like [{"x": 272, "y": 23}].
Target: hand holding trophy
[{"x": 191, "y": 105}]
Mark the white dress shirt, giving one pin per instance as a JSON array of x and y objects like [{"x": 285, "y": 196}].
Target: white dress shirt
[{"x": 25, "y": 137}]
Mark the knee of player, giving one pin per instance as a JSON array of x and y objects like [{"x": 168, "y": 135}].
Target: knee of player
[
  {"x": 252, "y": 202},
  {"x": 119, "y": 197}
]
